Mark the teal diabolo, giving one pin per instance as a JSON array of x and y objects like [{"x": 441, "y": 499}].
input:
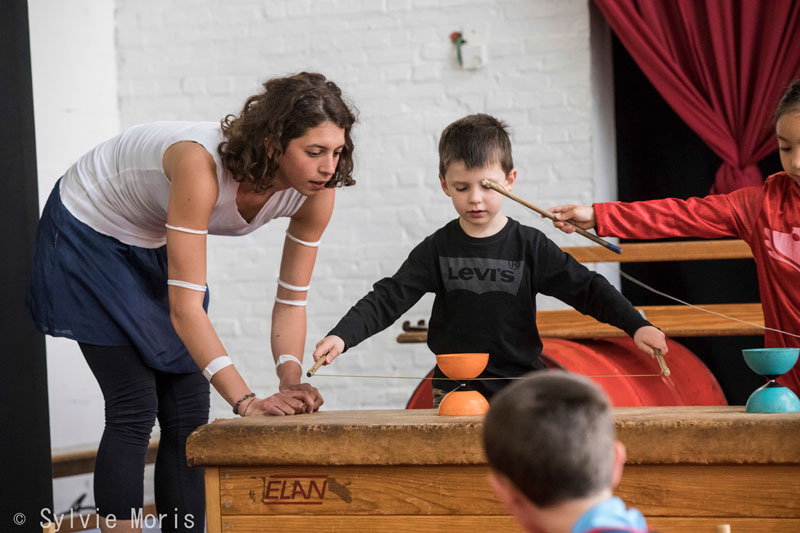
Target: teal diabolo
[{"x": 772, "y": 363}]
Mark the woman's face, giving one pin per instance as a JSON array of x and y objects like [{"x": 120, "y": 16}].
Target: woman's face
[
  {"x": 788, "y": 131},
  {"x": 309, "y": 161}
]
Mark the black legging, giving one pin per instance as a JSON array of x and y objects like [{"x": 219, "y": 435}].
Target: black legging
[{"x": 135, "y": 395}]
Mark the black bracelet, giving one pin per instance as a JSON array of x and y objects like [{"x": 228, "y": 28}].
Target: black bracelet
[{"x": 237, "y": 404}]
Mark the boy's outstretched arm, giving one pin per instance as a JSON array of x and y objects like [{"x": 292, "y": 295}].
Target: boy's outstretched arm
[
  {"x": 582, "y": 214},
  {"x": 383, "y": 305},
  {"x": 330, "y": 348},
  {"x": 650, "y": 338}
]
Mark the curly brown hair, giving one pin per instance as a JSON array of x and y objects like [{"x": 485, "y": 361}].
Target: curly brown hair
[{"x": 286, "y": 108}]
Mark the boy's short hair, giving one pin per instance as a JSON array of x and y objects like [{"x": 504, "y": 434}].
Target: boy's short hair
[
  {"x": 552, "y": 435},
  {"x": 477, "y": 141}
]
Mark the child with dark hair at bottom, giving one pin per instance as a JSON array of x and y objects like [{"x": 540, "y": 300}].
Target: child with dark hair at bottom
[
  {"x": 485, "y": 270},
  {"x": 554, "y": 458}
]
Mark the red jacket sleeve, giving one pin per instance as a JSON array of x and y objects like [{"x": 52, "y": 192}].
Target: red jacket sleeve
[{"x": 719, "y": 215}]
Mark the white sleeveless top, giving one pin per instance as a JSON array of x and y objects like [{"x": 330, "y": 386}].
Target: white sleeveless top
[{"x": 120, "y": 189}]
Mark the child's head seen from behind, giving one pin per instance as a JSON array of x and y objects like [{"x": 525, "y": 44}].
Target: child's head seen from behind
[{"x": 552, "y": 437}]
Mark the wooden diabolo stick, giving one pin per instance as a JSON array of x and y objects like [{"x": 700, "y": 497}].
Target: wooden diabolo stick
[
  {"x": 313, "y": 369},
  {"x": 488, "y": 184},
  {"x": 660, "y": 358}
]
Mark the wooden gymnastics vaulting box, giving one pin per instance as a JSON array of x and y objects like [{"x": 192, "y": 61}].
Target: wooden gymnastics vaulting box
[{"x": 688, "y": 469}]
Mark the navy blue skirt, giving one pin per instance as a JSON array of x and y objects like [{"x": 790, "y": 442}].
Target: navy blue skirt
[{"x": 94, "y": 289}]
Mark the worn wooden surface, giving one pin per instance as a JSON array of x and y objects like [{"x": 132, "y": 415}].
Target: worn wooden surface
[
  {"x": 707, "y": 435},
  {"x": 417, "y": 436},
  {"x": 690, "y": 434},
  {"x": 688, "y": 469}
]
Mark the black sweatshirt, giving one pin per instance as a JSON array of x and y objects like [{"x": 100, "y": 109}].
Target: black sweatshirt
[{"x": 486, "y": 298}]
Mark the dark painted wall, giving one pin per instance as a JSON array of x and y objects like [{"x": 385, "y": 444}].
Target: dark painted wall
[{"x": 25, "y": 472}]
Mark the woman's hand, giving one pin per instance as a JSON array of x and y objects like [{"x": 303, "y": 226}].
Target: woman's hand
[
  {"x": 289, "y": 402},
  {"x": 649, "y": 338},
  {"x": 311, "y": 397},
  {"x": 582, "y": 214},
  {"x": 330, "y": 348}
]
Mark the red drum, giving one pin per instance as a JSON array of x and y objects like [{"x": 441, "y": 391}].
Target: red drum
[{"x": 614, "y": 364}]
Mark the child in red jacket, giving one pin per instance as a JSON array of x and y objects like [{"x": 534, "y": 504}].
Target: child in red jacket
[{"x": 767, "y": 218}]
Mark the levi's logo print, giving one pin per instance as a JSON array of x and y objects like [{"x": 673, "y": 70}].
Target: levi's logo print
[{"x": 480, "y": 275}]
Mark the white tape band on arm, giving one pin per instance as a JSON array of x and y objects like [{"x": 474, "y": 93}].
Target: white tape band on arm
[
  {"x": 298, "y": 303},
  {"x": 216, "y": 365},
  {"x": 186, "y": 285},
  {"x": 285, "y": 358},
  {"x": 295, "y": 288},
  {"x": 187, "y": 230},
  {"x": 304, "y": 243}
]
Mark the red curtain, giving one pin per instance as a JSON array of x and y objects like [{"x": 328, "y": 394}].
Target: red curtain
[{"x": 722, "y": 65}]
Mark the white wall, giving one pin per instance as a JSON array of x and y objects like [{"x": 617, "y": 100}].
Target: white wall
[{"x": 99, "y": 67}]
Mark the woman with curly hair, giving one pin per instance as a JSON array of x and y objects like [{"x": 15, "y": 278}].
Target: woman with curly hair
[{"x": 120, "y": 267}]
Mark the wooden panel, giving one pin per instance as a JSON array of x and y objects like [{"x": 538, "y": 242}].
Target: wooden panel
[
  {"x": 213, "y": 510},
  {"x": 673, "y": 320},
  {"x": 709, "y": 525},
  {"x": 414, "y": 524},
  {"x": 373, "y": 524},
  {"x": 353, "y": 490},
  {"x": 662, "y": 251},
  {"x": 80, "y": 460},
  {"x": 746, "y": 491}
]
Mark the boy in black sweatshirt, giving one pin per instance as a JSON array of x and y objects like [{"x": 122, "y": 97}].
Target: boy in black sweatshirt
[{"x": 485, "y": 270}]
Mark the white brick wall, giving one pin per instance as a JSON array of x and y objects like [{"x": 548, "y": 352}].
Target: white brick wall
[{"x": 393, "y": 58}]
